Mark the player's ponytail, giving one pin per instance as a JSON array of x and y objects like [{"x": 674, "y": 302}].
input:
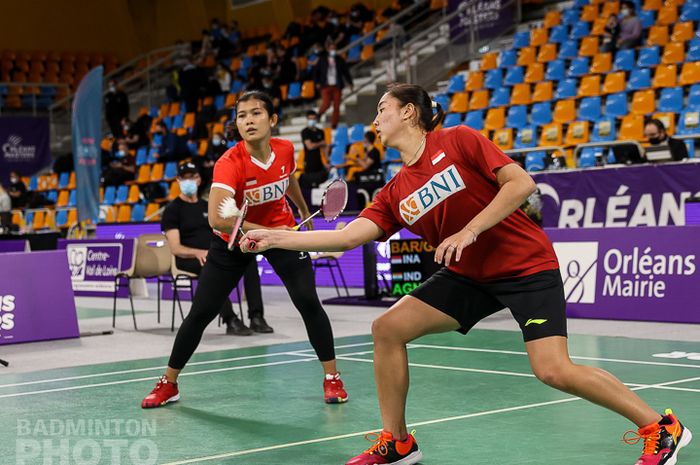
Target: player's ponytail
[{"x": 416, "y": 95}]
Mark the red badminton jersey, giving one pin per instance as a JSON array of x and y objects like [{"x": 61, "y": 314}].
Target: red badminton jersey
[
  {"x": 452, "y": 181},
  {"x": 262, "y": 185}
]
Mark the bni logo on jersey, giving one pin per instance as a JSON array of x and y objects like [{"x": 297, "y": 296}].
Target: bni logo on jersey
[
  {"x": 578, "y": 266},
  {"x": 442, "y": 185},
  {"x": 267, "y": 193}
]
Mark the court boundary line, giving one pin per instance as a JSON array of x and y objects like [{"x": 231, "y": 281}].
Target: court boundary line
[{"x": 421, "y": 423}]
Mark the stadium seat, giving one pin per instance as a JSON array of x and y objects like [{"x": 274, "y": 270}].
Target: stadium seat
[
  {"x": 693, "y": 97},
  {"x": 588, "y": 47},
  {"x": 673, "y": 53},
  {"x": 493, "y": 79},
  {"x": 527, "y": 56},
  {"x": 693, "y": 50},
  {"x": 547, "y": 53},
  {"x": 689, "y": 122},
  {"x": 141, "y": 156},
  {"x": 452, "y": 119},
  {"x": 551, "y": 135},
  {"x": 456, "y": 84},
  {"x": 489, "y": 61},
  {"x": 564, "y": 111},
  {"x": 555, "y": 70},
  {"x": 109, "y": 195},
  {"x": 589, "y": 12},
  {"x": 63, "y": 180},
  {"x": 500, "y": 97},
  {"x": 170, "y": 171},
  {"x": 475, "y": 81},
  {"x": 516, "y": 117},
  {"x": 649, "y": 57},
  {"x": 601, "y": 63},
  {"x": 521, "y": 39},
  {"x": 541, "y": 113},
  {"x": 616, "y": 104},
  {"x": 624, "y": 60},
  {"x": 570, "y": 16},
  {"x": 658, "y": 35},
  {"x": 534, "y": 73},
  {"x": 61, "y": 218},
  {"x": 614, "y": 82},
  {"x": 643, "y": 102},
  {"x": 479, "y": 100},
  {"x": 647, "y": 18},
  {"x": 124, "y": 214},
  {"x": 671, "y": 99},
  {"x": 690, "y": 12},
  {"x": 589, "y": 86},
  {"x": 442, "y": 99},
  {"x": 640, "y": 78},
  {"x": 535, "y": 161},
  {"x": 567, "y": 88},
  {"x": 632, "y": 128},
  {"x": 143, "y": 174},
  {"x": 503, "y": 138},
  {"x": 294, "y": 91},
  {"x": 667, "y": 15},
  {"x": 604, "y": 130},
  {"x": 579, "y": 67},
  {"x": 459, "y": 102},
  {"x": 665, "y": 76},
  {"x": 539, "y": 37},
  {"x": 690, "y": 73},
  {"x": 543, "y": 92},
  {"x": 508, "y": 58},
  {"x": 520, "y": 95},
  {"x": 495, "y": 118},
  {"x": 668, "y": 119},
  {"x": 577, "y": 133},
  {"x": 587, "y": 157},
  {"x": 134, "y": 194},
  {"x": 568, "y": 50},
  {"x": 552, "y": 19},
  {"x": 558, "y": 34},
  {"x": 590, "y": 109},
  {"x": 122, "y": 194},
  {"x": 357, "y": 132},
  {"x": 138, "y": 212},
  {"x": 526, "y": 138},
  {"x": 514, "y": 75},
  {"x": 475, "y": 120},
  {"x": 157, "y": 172},
  {"x": 682, "y": 32}
]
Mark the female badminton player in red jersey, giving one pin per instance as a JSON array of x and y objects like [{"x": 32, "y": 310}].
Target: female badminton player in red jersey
[
  {"x": 459, "y": 192},
  {"x": 258, "y": 169}
]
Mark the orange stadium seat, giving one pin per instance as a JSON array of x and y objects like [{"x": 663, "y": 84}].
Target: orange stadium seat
[
  {"x": 598, "y": 28},
  {"x": 564, "y": 111},
  {"x": 614, "y": 82},
  {"x": 601, "y": 63},
  {"x": 543, "y": 91},
  {"x": 658, "y": 35},
  {"x": 652, "y": 4},
  {"x": 589, "y": 13},
  {"x": 38, "y": 221},
  {"x": 577, "y": 133},
  {"x": 643, "y": 102},
  {"x": 682, "y": 32},
  {"x": 589, "y": 46},
  {"x": 552, "y": 18},
  {"x": 134, "y": 194},
  {"x": 609, "y": 9},
  {"x": 520, "y": 95},
  {"x": 527, "y": 56},
  {"x": 667, "y": 15},
  {"x": 665, "y": 76},
  {"x": 475, "y": 81},
  {"x": 489, "y": 61},
  {"x": 495, "y": 118},
  {"x": 151, "y": 209},
  {"x": 548, "y": 52},
  {"x": 144, "y": 174},
  {"x": 157, "y": 172},
  {"x": 674, "y": 52},
  {"x": 308, "y": 90},
  {"x": 538, "y": 37},
  {"x": 690, "y": 73},
  {"x": 503, "y": 138},
  {"x": 124, "y": 214},
  {"x": 589, "y": 86},
  {"x": 632, "y": 128},
  {"x": 551, "y": 135},
  {"x": 63, "y": 197},
  {"x": 459, "y": 102},
  {"x": 479, "y": 100},
  {"x": 534, "y": 73}
]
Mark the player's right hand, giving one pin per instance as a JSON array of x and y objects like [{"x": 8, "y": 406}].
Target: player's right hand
[
  {"x": 201, "y": 255},
  {"x": 257, "y": 240}
]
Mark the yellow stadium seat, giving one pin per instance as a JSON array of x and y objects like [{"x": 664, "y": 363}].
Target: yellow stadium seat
[
  {"x": 588, "y": 47},
  {"x": 63, "y": 197},
  {"x": 690, "y": 73},
  {"x": 548, "y": 52},
  {"x": 479, "y": 100},
  {"x": 673, "y": 53},
  {"x": 564, "y": 111},
  {"x": 589, "y": 13},
  {"x": 72, "y": 217},
  {"x": 489, "y": 61},
  {"x": 534, "y": 73},
  {"x": 552, "y": 18},
  {"x": 589, "y": 86},
  {"x": 151, "y": 209},
  {"x": 598, "y": 28},
  {"x": 682, "y": 32},
  {"x": 71, "y": 180},
  {"x": 632, "y": 128},
  {"x": 203, "y": 145},
  {"x": 609, "y": 9},
  {"x": 614, "y": 82},
  {"x": 543, "y": 91},
  {"x": 652, "y": 4},
  {"x": 144, "y": 174},
  {"x": 475, "y": 81},
  {"x": 124, "y": 214},
  {"x": 308, "y": 90},
  {"x": 49, "y": 220},
  {"x": 495, "y": 118},
  {"x": 601, "y": 63},
  {"x": 157, "y": 172},
  {"x": 520, "y": 95},
  {"x": 459, "y": 102},
  {"x": 668, "y": 15},
  {"x": 538, "y": 37},
  {"x": 643, "y": 102},
  {"x": 38, "y": 221},
  {"x": 577, "y": 133},
  {"x": 503, "y": 138},
  {"x": 658, "y": 35},
  {"x": 669, "y": 120},
  {"x": 527, "y": 56},
  {"x": 134, "y": 194},
  {"x": 551, "y": 135},
  {"x": 665, "y": 76},
  {"x": 174, "y": 190}
]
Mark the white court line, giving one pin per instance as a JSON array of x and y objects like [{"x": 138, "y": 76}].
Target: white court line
[
  {"x": 421, "y": 423},
  {"x": 512, "y": 352},
  {"x": 162, "y": 367}
]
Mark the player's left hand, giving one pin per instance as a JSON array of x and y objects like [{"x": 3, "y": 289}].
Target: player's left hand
[{"x": 453, "y": 246}]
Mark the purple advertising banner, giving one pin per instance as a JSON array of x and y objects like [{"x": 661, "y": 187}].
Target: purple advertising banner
[
  {"x": 647, "y": 274},
  {"x": 24, "y": 145},
  {"x": 17, "y": 245},
  {"x": 35, "y": 313},
  {"x": 490, "y": 18},
  {"x": 618, "y": 197},
  {"x": 94, "y": 263}
]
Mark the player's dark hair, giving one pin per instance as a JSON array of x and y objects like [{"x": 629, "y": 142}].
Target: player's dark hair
[
  {"x": 410, "y": 93},
  {"x": 231, "y": 130}
]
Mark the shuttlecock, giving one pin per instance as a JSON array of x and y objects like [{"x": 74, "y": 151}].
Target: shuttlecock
[{"x": 228, "y": 208}]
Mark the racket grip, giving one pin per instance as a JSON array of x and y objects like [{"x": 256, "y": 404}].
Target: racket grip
[{"x": 252, "y": 245}]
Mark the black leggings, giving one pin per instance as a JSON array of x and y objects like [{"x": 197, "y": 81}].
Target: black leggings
[{"x": 222, "y": 271}]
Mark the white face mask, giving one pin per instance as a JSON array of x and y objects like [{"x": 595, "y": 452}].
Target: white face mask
[
  {"x": 188, "y": 186},
  {"x": 311, "y": 123},
  {"x": 332, "y": 53},
  {"x": 216, "y": 140}
]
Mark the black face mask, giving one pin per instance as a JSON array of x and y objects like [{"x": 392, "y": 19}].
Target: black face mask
[{"x": 655, "y": 140}]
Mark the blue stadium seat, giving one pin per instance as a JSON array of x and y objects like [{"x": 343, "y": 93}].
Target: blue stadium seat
[
  {"x": 516, "y": 117},
  {"x": 514, "y": 75},
  {"x": 452, "y": 119},
  {"x": 33, "y": 183},
  {"x": 693, "y": 50},
  {"x": 168, "y": 122},
  {"x": 616, "y": 104},
  {"x": 508, "y": 58},
  {"x": 170, "y": 171},
  {"x": 690, "y": 145},
  {"x": 219, "y": 102},
  {"x": 570, "y": 16},
  {"x": 526, "y": 138},
  {"x": 688, "y": 122},
  {"x": 29, "y": 218},
  {"x": 580, "y": 30},
  {"x": 355, "y": 52},
  {"x": 178, "y": 120},
  {"x": 535, "y": 161},
  {"x": 61, "y": 218},
  {"x": 647, "y": 18},
  {"x": 357, "y": 133},
  {"x": 142, "y": 154},
  {"x": 443, "y": 100},
  {"x": 587, "y": 158},
  {"x": 475, "y": 119},
  {"x": 153, "y": 112},
  {"x": 73, "y": 198},
  {"x": 341, "y": 137},
  {"x": 671, "y": 99},
  {"x": 493, "y": 79},
  {"x": 122, "y": 194},
  {"x": 521, "y": 39},
  {"x": 649, "y": 57},
  {"x": 294, "y": 91},
  {"x": 370, "y": 39},
  {"x": 604, "y": 130},
  {"x": 152, "y": 152},
  {"x": 579, "y": 67},
  {"x": 590, "y": 109},
  {"x": 690, "y": 12},
  {"x": 236, "y": 86},
  {"x": 558, "y": 34},
  {"x": 456, "y": 84},
  {"x": 568, "y": 50},
  {"x": 52, "y": 196},
  {"x": 556, "y": 70},
  {"x": 138, "y": 212},
  {"x": 580, "y": 3},
  {"x": 567, "y": 88},
  {"x": 109, "y": 195},
  {"x": 500, "y": 97},
  {"x": 611, "y": 157},
  {"x": 640, "y": 78},
  {"x": 624, "y": 60},
  {"x": 247, "y": 62},
  {"x": 541, "y": 113},
  {"x": 63, "y": 180},
  {"x": 391, "y": 155}
]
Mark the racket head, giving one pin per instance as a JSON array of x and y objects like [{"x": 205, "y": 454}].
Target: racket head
[
  {"x": 237, "y": 225},
  {"x": 334, "y": 200}
]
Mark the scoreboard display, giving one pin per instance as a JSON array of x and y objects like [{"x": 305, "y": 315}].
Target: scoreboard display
[{"x": 412, "y": 262}]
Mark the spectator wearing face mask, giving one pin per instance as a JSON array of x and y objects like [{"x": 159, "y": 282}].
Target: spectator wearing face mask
[
  {"x": 223, "y": 76},
  {"x": 331, "y": 76},
  {"x": 655, "y": 132},
  {"x": 17, "y": 190},
  {"x": 630, "y": 27},
  {"x": 315, "y": 169},
  {"x": 121, "y": 168},
  {"x": 116, "y": 108},
  {"x": 216, "y": 147}
]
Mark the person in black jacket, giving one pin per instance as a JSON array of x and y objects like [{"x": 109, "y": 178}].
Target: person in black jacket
[
  {"x": 116, "y": 108},
  {"x": 331, "y": 75},
  {"x": 655, "y": 132}
]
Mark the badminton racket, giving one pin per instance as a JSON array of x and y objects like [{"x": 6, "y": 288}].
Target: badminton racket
[
  {"x": 333, "y": 202},
  {"x": 228, "y": 209}
]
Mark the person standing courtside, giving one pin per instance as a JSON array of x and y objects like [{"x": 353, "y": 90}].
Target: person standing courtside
[
  {"x": 186, "y": 226},
  {"x": 331, "y": 75}
]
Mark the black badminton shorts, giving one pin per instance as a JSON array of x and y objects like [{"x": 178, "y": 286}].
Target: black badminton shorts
[{"x": 536, "y": 302}]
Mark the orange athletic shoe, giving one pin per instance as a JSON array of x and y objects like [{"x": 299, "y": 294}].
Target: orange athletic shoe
[
  {"x": 662, "y": 440},
  {"x": 387, "y": 450}
]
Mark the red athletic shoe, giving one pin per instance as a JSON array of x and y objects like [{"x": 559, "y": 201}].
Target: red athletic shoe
[
  {"x": 163, "y": 393},
  {"x": 662, "y": 440},
  {"x": 333, "y": 391},
  {"x": 388, "y": 451}
]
